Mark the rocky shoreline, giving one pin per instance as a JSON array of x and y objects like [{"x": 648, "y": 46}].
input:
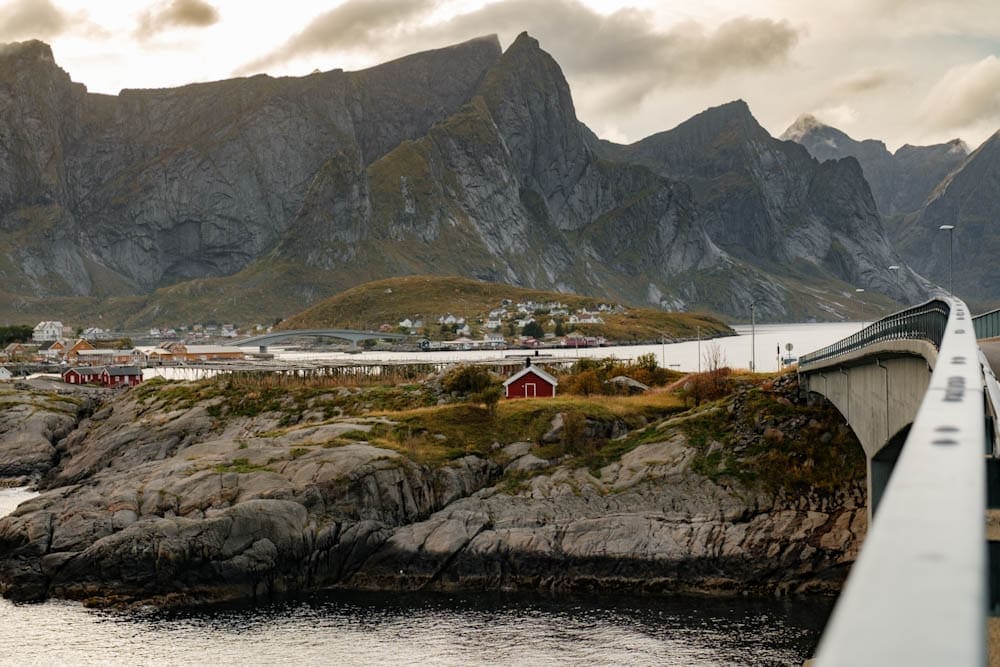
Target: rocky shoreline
[{"x": 147, "y": 498}]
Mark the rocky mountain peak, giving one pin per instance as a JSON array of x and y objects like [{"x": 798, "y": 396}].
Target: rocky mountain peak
[
  {"x": 957, "y": 147},
  {"x": 900, "y": 181},
  {"x": 531, "y": 104},
  {"x": 29, "y": 63},
  {"x": 730, "y": 124},
  {"x": 735, "y": 113},
  {"x": 803, "y": 126},
  {"x": 32, "y": 49}
]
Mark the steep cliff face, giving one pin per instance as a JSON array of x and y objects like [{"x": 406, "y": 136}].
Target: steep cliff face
[
  {"x": 505, "y": 189},
  {"x": 900, "y": 181},
  {"x": 769, "y": 203},
  {"x": 966, "y": 199},
  {"x": 252, "y": 198},
  {"x": 159, "y": 186}
]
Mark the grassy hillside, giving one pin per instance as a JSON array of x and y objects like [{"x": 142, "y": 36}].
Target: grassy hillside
[{"x": 391, "y": 300}]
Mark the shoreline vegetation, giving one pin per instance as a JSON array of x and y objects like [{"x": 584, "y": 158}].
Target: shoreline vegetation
[{"x": 237, "y": 488}]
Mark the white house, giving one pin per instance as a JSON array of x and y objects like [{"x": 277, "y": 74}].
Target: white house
[
  {"x": 406, "y": 324},
  {"x": 48, "y": 330},
  {"x": 95, "y": 333},
  {"x": 463, "y": 330},
  {"x": 494, "y": 340},
  {"x": 5, "y": 375},
  {"x": 493, "y": 324}
]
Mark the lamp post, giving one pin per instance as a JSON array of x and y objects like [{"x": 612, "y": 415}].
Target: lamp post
[
  {"x": 951, "y": 262},
  {"x": 859, "y": 291},
  {"x": 698, "y": 330},
  {"x": 753, "y": 336},
  {"x": 895, "y": 271}
]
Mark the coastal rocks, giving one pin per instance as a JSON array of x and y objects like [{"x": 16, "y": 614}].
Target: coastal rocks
[
  {"x": 155, "y": 502},
  {"x": 32, "y": 423},
  {"x": 670, "y": 533},
  {"x": 244, "y": 548}
]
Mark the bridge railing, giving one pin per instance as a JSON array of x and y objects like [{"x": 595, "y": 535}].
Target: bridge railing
[
  {"x": 987, "y": 325},
  {"x": 918, "y": 592},
  {"x": 924, "y": 322}
]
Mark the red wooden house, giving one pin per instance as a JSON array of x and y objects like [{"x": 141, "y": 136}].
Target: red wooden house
[
  {"x": 106, "y": 376},
  {"x": 121, "y": 376},
  {"x": 530, "y": 382},
  {"x": 82, "y": 375}
]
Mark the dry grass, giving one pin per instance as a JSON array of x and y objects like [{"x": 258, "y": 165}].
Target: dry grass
[{"x": 441, "y": 433}]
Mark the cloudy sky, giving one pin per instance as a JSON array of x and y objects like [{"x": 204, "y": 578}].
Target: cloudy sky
[{"x": 905, "y": 71}]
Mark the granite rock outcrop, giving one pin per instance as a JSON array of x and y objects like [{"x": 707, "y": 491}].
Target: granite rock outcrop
[{"x": 153, "y": 501}]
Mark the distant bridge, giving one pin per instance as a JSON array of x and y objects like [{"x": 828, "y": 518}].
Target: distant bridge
[
  {"x": 919, "y": 391},
  {"x": 350, "y": 335}
]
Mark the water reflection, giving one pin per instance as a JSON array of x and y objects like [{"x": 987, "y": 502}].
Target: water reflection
[{"x": 429, "y": 629}]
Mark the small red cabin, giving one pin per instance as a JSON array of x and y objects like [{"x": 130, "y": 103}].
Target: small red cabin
[
  {"x": 121, "y": 376},
  {"x": 82, "y": 375},
  {"x": 530, "y": 382}
]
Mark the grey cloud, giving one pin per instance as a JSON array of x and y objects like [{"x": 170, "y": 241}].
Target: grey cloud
[
  {"x": 622, "y": 53},
  {"x": 588, "y": 43},
  {"x": 865, "y": 81},
  {"x": 966, "y": 96},
  {"x": 177, "y": 14},
  {"x": 354, "y": 24},
  {"x": 32, "y": 18}
]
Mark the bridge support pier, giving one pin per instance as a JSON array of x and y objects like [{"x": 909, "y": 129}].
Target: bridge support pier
[{"x": 879, "y": 396}]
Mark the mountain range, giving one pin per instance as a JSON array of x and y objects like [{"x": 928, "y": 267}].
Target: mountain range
[
  {"x": 251, "y": 198},
  {"x": 920, "y": 188}
]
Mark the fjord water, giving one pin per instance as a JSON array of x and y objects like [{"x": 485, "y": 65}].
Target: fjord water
[
  {"x": 765, "y": 341},
  {"x": 425, "y": 629}
]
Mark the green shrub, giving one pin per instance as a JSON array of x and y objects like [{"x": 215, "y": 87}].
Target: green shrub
[{"x": 467, "y": 379}]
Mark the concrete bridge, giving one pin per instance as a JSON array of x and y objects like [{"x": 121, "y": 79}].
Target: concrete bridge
[
  {"x": 350, "y": 335},
  {"x": 919, "y": 391}
]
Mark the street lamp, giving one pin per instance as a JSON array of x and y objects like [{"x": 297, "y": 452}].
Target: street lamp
[
  {"x": 753, "y": 336},
  {"x": 859, "y": 291},
  {"x": 951, "y": 263},
  {"x": 895, "y": 271},
  {"x": 698, "y": 330}
]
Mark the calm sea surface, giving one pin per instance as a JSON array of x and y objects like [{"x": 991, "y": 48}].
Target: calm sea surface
[
  {"x": 419, "y": 629},
  {"x": 766, "y": 341}
]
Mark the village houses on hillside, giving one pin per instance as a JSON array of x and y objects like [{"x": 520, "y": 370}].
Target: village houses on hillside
[{"x": 513, "y": 318}]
